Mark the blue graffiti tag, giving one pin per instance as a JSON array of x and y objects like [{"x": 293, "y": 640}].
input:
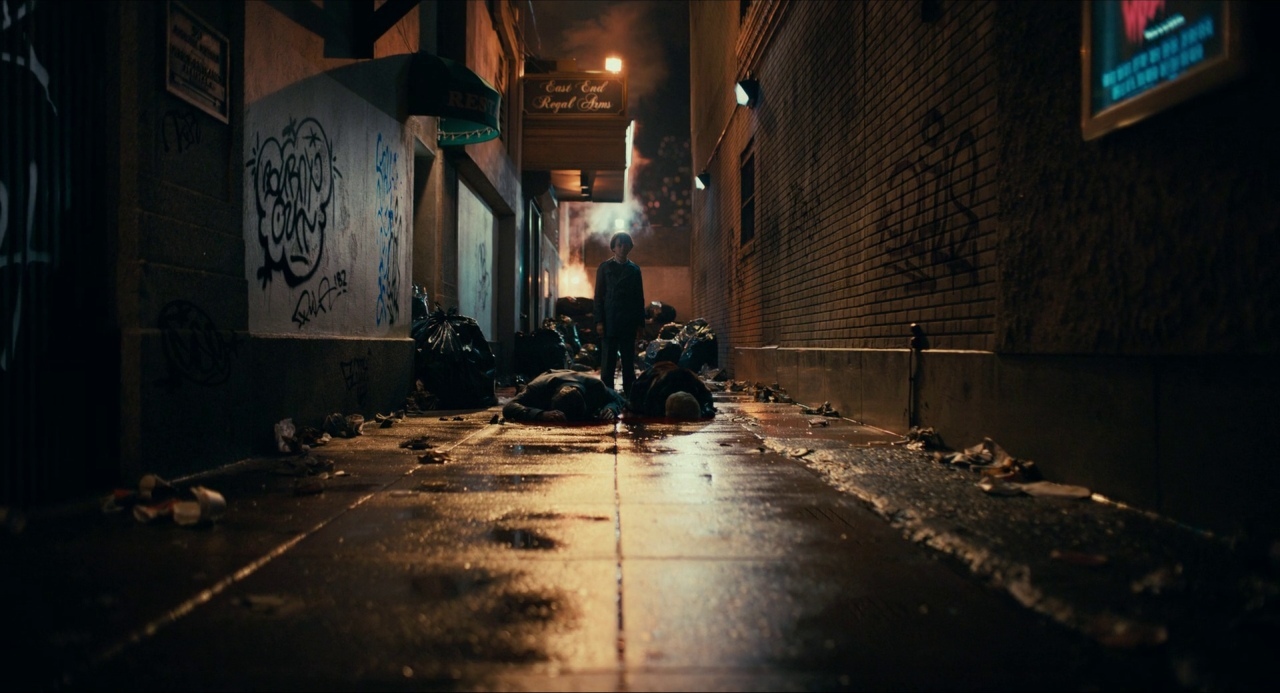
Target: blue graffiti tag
[{"x": 389, "y": 222}]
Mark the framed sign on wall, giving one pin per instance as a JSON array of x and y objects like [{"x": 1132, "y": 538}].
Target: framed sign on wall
[
  {"x": 197, "y": 62},
  {"x": 1140, "y": 57}
]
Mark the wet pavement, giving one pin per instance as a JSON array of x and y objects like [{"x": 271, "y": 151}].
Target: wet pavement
[{"x": 761, "y": 550}]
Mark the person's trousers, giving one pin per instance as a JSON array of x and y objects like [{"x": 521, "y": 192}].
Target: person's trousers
[{"x": 611, "y": 347}]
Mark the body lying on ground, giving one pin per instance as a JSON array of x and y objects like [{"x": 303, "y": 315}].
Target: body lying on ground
[
  {"x": 655, "y": 393},
  {"x": 564, "y": 395}
]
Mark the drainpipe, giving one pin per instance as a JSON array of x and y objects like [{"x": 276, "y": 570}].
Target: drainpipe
[{"x": 913, "y": 361}]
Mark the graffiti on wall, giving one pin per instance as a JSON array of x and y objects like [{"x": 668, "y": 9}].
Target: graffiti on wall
[
  {"x": 182, "y": 128},
  {"x": 482, "y": 286},
  {"x": 313, "y": 302},
  {"x": 293, "y": 181},
  {"x": 24, "y": 207},
  {"x": 937, "y": 235},
  {"x": 355, "y": 374},
  {"x": 387, "y": 179},
  {"x": 194, "y": 348}
]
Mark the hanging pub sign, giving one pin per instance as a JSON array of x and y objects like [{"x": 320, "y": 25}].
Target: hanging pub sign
[
  {"x": 1140, "y": 57},
  {"x": 575, "y": 94},
  {"x": 197, "y": 63}
]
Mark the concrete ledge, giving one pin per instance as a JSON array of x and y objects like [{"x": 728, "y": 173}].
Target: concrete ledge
[{"x": 1174, "y": 435}]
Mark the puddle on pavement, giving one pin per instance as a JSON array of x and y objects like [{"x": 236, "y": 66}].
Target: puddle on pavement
[
  {"x": 486, "y": 482},
  {"x": 522, "y": 539},
  {"x": 555, "y": 516}
]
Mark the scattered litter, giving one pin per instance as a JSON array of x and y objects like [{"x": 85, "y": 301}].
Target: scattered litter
[
  {"x": 433, "y": 458},
  {"x": 458, "y": 418},
  {"x": 799, "y": 452},
  {"x": 1082, "y": 558},
  {"x": 986, "y": 457},
  {"x": 824, "y": 410},
  {"x": 818, "y": 422},
  {"x": 285, "y": 432},
  {"x": 417, "y": 443},
  {"x": 1163, "y": 580},
  {"x": 389, "y": 420},
  {"x": 342, "y": 472},
  {"x": 420, "y": 400},
  {"x": 401, "y": 493},
  {"x": 157, "y": 498},
  {"x": 340, "y": 426},
  {"x": 273, "y": 604},
  {"x": 922, "y": 439},
  {"x": 495, "y": 419}
]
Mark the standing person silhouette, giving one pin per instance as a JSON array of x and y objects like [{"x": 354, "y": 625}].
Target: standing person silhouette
[{"x": 619, "y": 309}]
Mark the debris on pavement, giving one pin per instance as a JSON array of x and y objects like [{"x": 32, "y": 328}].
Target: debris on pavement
[
  {"x": 824, "y": 410},
  {"x": 922, "y": 439},
  {"x": 417, "y": 443},
  {"x": 992, "y": 461},
  {"x": 157, "y": 498},
  {"x": 389, "y": 420},
  {"x": 433, "y": 458},
  {"x": 818, "y": 422},
  {"x": 1050, "y": 489},
  {"x": 285, "y": 435},
  {"x": 340, "y": 426},
  {"x": 419, "y": 400},
  {"x": 495, "y": 419}
]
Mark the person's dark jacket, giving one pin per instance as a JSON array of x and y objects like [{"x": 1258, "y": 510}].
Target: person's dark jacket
[
  {"x": 648, "y": 394},
  {"x": 536, "y": 398},
  {"x": 619, "y": 299}
]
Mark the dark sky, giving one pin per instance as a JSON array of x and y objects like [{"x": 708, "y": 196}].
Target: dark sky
[{"x": 652, "y": 38}]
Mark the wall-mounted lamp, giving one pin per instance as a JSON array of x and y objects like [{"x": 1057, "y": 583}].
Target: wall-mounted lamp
[
  {"x": 702, "y": 180},
  {"x": 747, "y": 92},
  {"x": 613, "y": 65}
]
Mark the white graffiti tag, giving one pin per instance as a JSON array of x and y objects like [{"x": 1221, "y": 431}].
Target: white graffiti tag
[{"x": 293, "y": 180}]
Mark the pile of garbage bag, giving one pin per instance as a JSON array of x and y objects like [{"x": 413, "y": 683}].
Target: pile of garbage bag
[
  {"x": 453, "y": 360},
  {"x": 691, "y": 345},
  {"x": 580, "y": 312},
  {"x": 544, "y": 350}
]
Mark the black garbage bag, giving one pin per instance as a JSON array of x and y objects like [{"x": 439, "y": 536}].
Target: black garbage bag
[
  {"x": 574, "y": 306},
  {"x": 540, "y": 352},
  {"x": 454, "y": 361},
  {"x": 701, "y": 350},
  {"x": 670, "y": 330},
  {"x": 588, "y": 356},
  {"x": 662, "y": 350},
  {"x": 567, "y": 329}
]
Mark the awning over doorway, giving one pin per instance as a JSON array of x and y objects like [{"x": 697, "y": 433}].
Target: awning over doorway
[{"x": 466, "y": 104}]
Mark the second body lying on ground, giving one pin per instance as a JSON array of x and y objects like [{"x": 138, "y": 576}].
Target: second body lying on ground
[{"x": 656, "y": 393}]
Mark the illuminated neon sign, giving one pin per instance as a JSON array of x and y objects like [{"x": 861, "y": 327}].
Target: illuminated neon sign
[{"x": 1143, "y": 56}]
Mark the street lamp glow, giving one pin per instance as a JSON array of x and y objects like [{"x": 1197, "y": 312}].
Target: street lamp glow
[{"x": 613, "y": 64}]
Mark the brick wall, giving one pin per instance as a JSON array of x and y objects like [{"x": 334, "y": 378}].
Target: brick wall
[{"x": 875, "y": 199}]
